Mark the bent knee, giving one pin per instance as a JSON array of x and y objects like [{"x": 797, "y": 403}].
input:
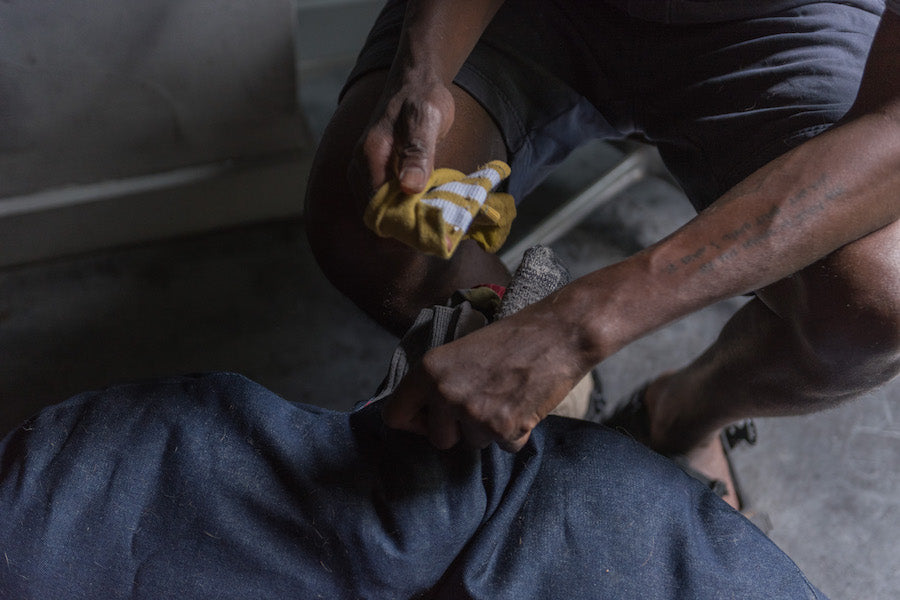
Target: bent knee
[
  {"x": 845, "y": 311},
  {"x": 860, "y": 344},
  {"x": 851, "y": 318}
]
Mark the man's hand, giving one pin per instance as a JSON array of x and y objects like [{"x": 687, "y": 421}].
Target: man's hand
[
  {"x": 411, "y": 119},
  {"x": 416, "y": 110},
  {"x": 495, "y": 384}
]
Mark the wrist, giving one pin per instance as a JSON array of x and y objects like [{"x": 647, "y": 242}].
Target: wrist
[
  {"x": 421, "y": 66},
  {"x": 607, "y": 309},
  {"x": 587, "y": 314}
]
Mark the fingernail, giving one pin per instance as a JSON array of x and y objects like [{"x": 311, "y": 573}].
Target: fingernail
[{"x": 412, "y": 177}]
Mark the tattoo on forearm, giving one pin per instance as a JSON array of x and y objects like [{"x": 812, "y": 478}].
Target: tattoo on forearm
[{"x": 778, "y": 219}]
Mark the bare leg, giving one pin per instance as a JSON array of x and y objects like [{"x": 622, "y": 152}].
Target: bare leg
[
  {"x": 824, "y": 335},
  {"x": 388, "y": 280}
]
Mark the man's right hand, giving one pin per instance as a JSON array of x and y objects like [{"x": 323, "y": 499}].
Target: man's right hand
[{"x": 496, "y": 383}]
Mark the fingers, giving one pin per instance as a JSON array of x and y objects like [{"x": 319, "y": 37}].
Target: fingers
[
  {"x": 443, "y": 429},
  {"x": 407, "y": 151},
  {"x": 516, "y": 444},
  {"x": 370, "y": 166},
  {"x": 404, "y": 409},
  {"x": 411, "y": 408},
  {"x": 417, "y": 407},
  {"x": 475, "y": 434},
  {"x": 403, "y": 140}
]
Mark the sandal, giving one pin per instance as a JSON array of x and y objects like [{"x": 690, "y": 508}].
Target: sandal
[{"x": 631, "y": 418}]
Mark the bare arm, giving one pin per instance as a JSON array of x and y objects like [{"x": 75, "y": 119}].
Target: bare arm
[
  {"x": 830, "y": 191},
  {"x": 499, "y": 382},
  {"x": 416, "y": 108}
]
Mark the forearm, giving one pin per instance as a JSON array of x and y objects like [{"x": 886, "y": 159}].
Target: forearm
[
  {"x": 830, "y": 191},
  {"x": 416, "y": 107},
  {"x": 438, "y": 36}
]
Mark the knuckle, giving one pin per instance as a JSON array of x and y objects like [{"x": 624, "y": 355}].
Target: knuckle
[
  {"x": 431, "y": 368},
  {"x": 514, "y": 427},
  {"x": 420, "y": 110},
  {"x": 370, "y": 143},
  {"x": 375, "y": 142},
  {"x": 421, "y": 117},
  {"x": 413, "y": 149},
  {"x": 450, "y": 397},
  {"x": 431, "y": 112},
  {"x": 471, "y": 411}
]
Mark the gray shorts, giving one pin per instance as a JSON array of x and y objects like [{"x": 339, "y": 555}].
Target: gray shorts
[{"x": 720, "y": 88}]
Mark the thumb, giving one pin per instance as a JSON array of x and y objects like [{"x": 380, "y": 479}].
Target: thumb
[
  {"x": 415, "y": 160},
  {"x": 419, "y": 129}
]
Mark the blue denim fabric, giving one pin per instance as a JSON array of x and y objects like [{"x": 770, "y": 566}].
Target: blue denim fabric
[{"x": 214, "y": 487}]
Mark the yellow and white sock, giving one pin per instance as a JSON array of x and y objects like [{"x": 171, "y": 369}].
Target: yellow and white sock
[{"x": 453, "y": 207}]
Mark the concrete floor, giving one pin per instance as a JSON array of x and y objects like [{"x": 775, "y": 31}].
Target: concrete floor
[{"x": 252, "y": 300}]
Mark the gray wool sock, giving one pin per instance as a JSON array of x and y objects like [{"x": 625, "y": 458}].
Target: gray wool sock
[{"x": 540, "y": 274}]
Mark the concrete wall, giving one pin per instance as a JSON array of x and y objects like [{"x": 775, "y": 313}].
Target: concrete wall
[
  {"x": 124, "y": 121},
  {"x": 329, "y": 36},
  {"x": 94, "y": 90}
]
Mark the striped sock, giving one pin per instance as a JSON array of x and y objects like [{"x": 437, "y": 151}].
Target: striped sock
[{"x": 452, "y": 208}]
